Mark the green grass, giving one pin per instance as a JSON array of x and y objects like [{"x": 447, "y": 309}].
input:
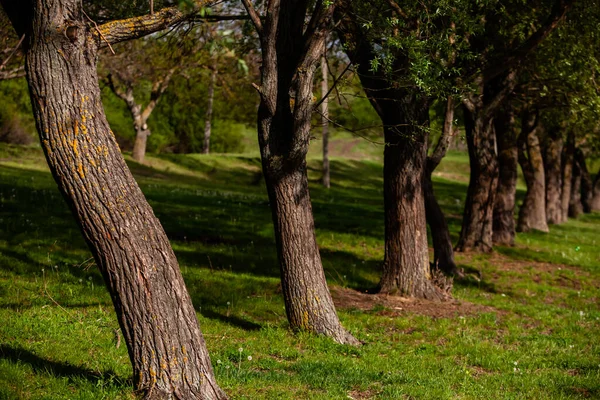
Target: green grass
[{"x": 525, "y": 326}]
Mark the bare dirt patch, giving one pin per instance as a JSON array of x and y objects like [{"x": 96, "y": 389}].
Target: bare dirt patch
[{"x": 393, "y": 305}]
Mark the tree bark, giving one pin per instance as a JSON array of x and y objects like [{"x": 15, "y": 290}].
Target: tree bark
[
  {"x": 476, "y": 232},
  {"x": 406, "y": 269},
  {"x": 595, "y": 204},
  {"x": 552, "y": 163},
  {"x": 479, "y": 111},
  {"x": 575, "y": 204},
  {"x": 209, "y": 109},
  {"x": 325, "y": 122},
  {"x": 443, "y": 251},
  {"x": 504, "y": 205},
  {"x": 567, "y": 175},
  {"x": 532, "y": 214},
  {"x": 586, "y": 182},
  {"x": 289, "y": 57},
  {"x": 155, "y": 312}
]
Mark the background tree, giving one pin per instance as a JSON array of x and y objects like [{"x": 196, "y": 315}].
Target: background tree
[{"x": 157, "y": 319}]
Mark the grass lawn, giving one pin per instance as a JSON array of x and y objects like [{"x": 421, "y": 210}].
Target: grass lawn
[{"x": 524, "y": 324}]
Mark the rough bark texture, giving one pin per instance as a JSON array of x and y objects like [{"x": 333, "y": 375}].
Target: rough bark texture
[
  {"x": 596, "y": 193},
  {"x": 325, "y": 122},
  {"x": 443, "y": 251},
  {"x": 479, "y": 111},
  {"x": 567, "y": 175},
  {"x": 209, "y": 109},
  {"x": 155, "y": 313},
  {"x": 532, "y": 214},
  {"x": 586, "y": 182},
  {"x": 575, "y": 204},
  {"x": 552, "y": 166},
  {"x": 476, "y": 231},
  {"x": 404, "y": 113},
  {"x": 406, "y": 269},
  {"x": 289, "y": 58},
  {"x": 504, "y": 205}
]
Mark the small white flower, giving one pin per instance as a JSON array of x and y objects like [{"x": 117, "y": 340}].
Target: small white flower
[
  {"x": 249, "y": 358},
  {"x": 241, "y": 349},
  {"x": 227, "y": 367},
  {"x": 516, "y": 362},
  {"x": 581, "y": 314},
  {"x": 81, "y": 280},
  {"x": 503, "y": 295},
  {"x": 218, "y": 361},
  {"x": 228, "y": 303}
]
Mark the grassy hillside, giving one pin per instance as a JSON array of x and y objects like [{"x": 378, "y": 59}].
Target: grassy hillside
[{"x": 524, "y": 324}]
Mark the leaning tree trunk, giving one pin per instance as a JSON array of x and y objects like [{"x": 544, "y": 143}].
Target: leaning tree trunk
[
  {"x": 476, "y": 232},
  {"x": 575, "y": 204},
  {"x": 209, "y": 110},
  {"x": 504, "y": 205},
  {"x": 586, "y": 182},
  {"x": 283, "y": 134},
  {"x": 308, "y": 303},
  {"x": 567, "y": 175},
  {"x": 443, "y": 251},
  {"x": 532, "y": 214},
  {"x": 552, "y": 167},
  {"x": 595, "y": 204},
  {"x": 325, "y": 122},
  {"x": 155, "y": 313}
]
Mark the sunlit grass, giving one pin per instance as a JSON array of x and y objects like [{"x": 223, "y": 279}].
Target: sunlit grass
[{"x": 58, "y": 338}]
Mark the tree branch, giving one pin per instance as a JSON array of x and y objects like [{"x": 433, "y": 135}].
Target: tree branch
[
  {"x": 18, "y": 72},
  {"x": 447, "y": 132},
  {"x": 253, "y": 16},
  {"x": 559, "y": 10},
  {"x": 157, "y": 90},
  {"x": 132, "y": 28}
]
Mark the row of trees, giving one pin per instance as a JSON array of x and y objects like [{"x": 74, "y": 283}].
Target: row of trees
[{"x": 521, "y": 90}]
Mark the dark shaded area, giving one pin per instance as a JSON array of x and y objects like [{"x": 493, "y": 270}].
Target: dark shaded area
[{"x": 64, "y": 370}]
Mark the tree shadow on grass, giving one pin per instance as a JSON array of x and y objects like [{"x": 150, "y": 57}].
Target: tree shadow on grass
[
  {"x": 473, "y": 279},
  {"x": 231, "y": 320},
  {"x": 59, "y": 369}
]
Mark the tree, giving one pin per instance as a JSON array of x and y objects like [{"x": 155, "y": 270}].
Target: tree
[
  {"x": 504, "y": 204},
  {"x": 131, "y": 249},
  {"x": 290, "y": 51},
  {"x": 498, "y": 62},
  {"x": 532, "y": 214},
  {"x": 403, "y": 107}
]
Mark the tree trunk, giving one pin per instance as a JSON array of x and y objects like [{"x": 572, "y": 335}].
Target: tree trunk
[
  {"x": 575, "y": 204},
  {"x": 209, "y": 110},
  {"x": 586, "y": 182},
  {"x": 404, "y": 112},
  {"x": 552, "y": 163},
  {"x": 325, "y": 122},
  {"x": 504, "y": 205},
  {"x": 289, "y": 58},
  {"x": 476, "y": 232},
  {"x": 596, "y": 193},
  {"x": 532, "y": 214},
  {"x": 443, "y": 251},
  {"x": 139, "y": 146},
  {"x": 567, "y": 175},
  {"x": 154, "y": 310},
  {"x": 406, "y": 269}
]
